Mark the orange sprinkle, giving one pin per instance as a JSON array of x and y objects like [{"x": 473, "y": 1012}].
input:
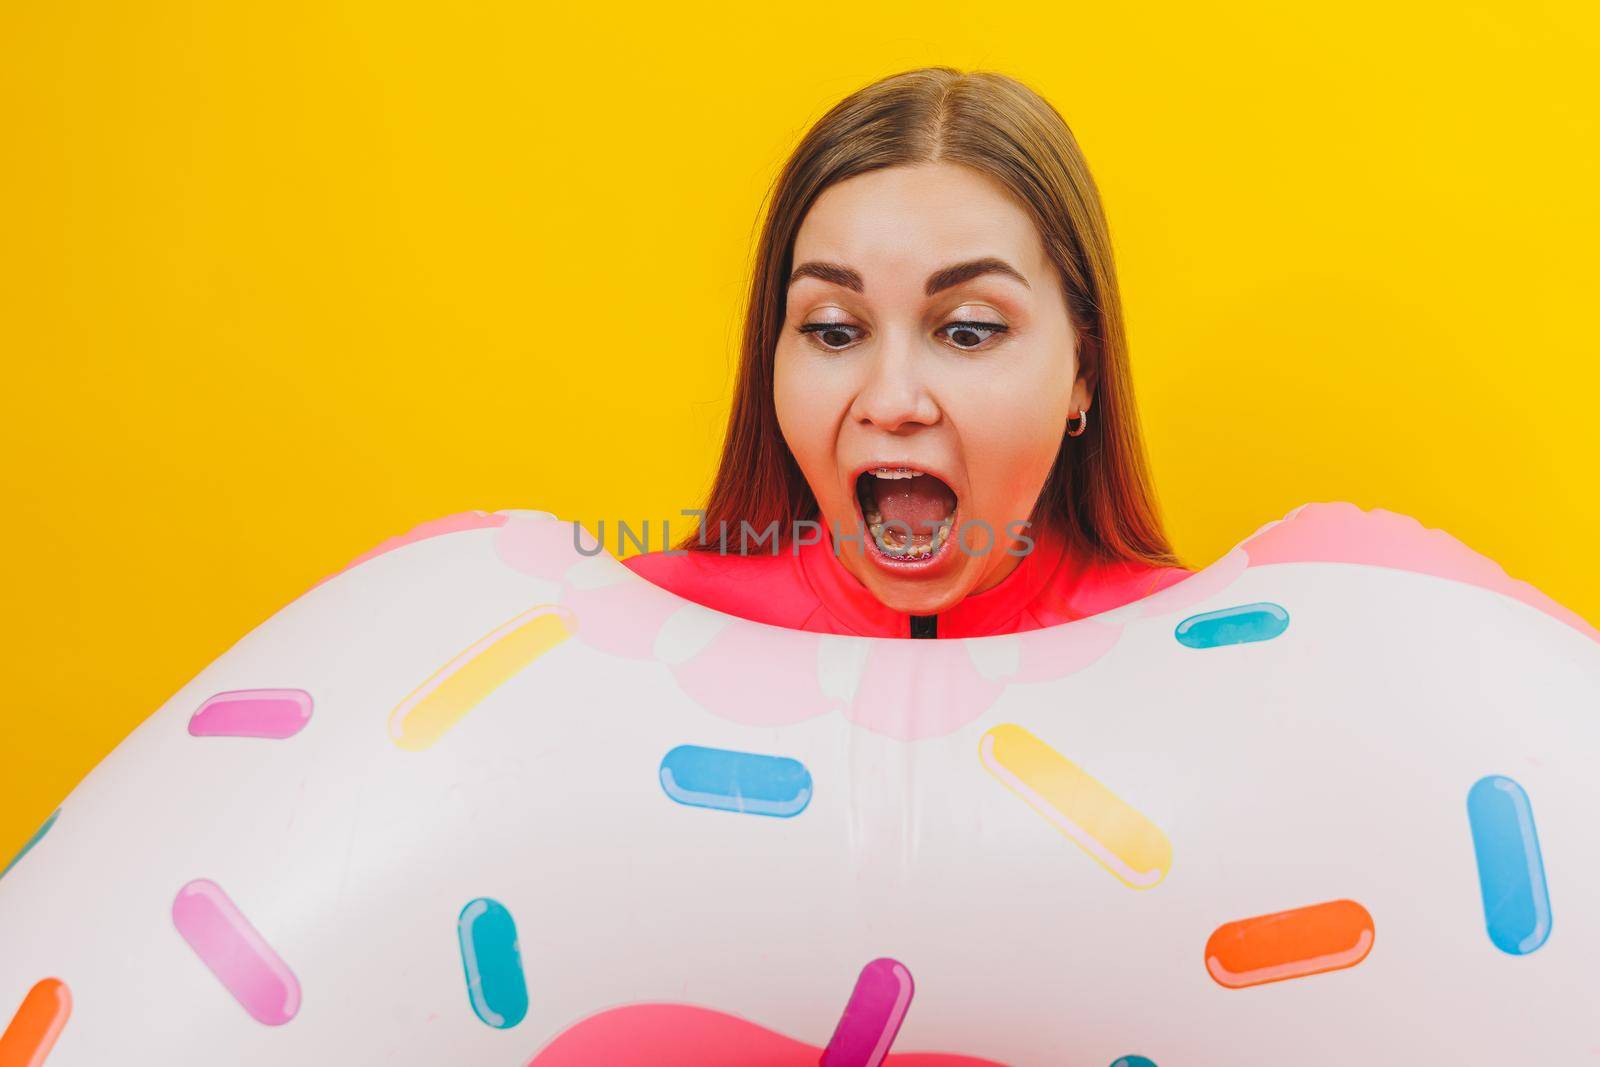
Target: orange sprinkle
[
  {"x": 1289, "y": 944},
  {"x": 36, "y": 1025}
]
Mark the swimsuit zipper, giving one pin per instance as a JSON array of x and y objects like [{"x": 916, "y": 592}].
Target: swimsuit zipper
[{"x": 924, "y": 626}]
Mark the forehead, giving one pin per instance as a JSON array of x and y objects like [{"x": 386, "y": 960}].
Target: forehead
[{"x": 917, "y": 219}]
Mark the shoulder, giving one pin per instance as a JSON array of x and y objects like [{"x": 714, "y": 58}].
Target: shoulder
[
  {"x": 763, "y": 588},
  {"x": 1104, "y": 585},
  {"x": 1130, "y": 580},
  {"x": 671, "y": 569}
]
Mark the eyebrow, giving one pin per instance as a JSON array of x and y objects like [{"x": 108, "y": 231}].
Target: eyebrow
[{"x": 938, "y": 281}]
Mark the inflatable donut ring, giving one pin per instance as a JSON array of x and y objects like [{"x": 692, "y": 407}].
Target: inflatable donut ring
[{"x": 483, "y": 799}]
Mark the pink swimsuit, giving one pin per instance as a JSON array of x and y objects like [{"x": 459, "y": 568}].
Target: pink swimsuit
[{"x": 810, "y": 589}]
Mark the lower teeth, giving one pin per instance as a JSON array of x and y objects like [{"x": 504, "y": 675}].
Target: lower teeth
[{"x": 875, "y": 525}]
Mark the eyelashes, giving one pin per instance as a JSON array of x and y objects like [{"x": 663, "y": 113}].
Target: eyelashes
[
  {"x": 984, "y": 331},
  {"x": 819, "y": 331},
  {"x": 988, "y": 329}
]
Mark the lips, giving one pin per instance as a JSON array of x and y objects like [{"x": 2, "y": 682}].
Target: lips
[{"x": 909, "y": 511}]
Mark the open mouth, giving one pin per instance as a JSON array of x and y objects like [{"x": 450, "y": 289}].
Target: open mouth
[{"x": 909, "y": 513}]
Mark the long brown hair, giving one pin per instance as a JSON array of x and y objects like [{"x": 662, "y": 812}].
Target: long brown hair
[{"x": 1099, "y": 492}]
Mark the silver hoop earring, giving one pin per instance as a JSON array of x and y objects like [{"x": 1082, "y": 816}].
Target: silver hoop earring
[{"x": 1083, "y": 424}]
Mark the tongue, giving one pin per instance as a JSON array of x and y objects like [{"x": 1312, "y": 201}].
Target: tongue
[{"x": 921, "y": 503}]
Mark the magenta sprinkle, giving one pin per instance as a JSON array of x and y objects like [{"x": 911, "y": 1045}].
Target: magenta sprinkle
[{"x": 877, "y": 1007}]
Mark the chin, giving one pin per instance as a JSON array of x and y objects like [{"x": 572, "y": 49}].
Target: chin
[{"x": 917, "y": 601}]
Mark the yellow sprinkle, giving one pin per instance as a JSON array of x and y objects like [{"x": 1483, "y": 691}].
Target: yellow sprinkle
[
  {"x": 1104, "y": 825},
  {"x": 460, "y": 685}
]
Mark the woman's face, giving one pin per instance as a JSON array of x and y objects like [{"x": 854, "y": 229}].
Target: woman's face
[{"x": 925, "y": 331}]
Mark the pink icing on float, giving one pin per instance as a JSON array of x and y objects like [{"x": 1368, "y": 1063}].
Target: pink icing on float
[
  {"x": 681, "y": 1035},
  {"x": 465, "y": 520},
  {"x": 1343, "y": 533},
  {"x": 724, "y": 672},
  {"x": 727, "y": 664}
]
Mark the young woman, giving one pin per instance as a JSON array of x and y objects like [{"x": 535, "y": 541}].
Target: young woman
[{"x": 933, "y": 318}]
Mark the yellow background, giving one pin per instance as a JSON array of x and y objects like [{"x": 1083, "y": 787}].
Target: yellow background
[{"x": 281, "y": 281}]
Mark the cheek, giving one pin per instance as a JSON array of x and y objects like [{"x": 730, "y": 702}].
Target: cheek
[
  {"x": 1011, "y": 457},
  {"x": 802, "y": 399},
  {"x": 1011, "y": 432}
]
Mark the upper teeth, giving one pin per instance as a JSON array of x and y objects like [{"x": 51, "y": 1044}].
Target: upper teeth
[{"x": 895, "y": 472}]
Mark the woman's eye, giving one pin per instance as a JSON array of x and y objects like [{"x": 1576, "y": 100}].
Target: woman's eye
[
  {"x": 831, "y": 335},
  {"x": 971, "y": 334}
]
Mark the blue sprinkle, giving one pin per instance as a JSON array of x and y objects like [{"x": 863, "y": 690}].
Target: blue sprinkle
[
  {"x": 1516, "y": 901},
  {"x": 27, "y": 846},
  {"x": 736, "y": 781},
  {"x": 493, "y": 962},
  {"x": 1134, "y": 1061},
  {"x": 1233, "y": 626}
]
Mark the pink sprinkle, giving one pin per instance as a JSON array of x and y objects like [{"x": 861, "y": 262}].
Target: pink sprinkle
[
  {"x": 274, "y": 713},
  {"x": 240, "y": 958},
  {"x": 871, "y": 1020}
]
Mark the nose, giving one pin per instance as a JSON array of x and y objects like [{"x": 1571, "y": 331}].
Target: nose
[{"x": 895, "y": 393}]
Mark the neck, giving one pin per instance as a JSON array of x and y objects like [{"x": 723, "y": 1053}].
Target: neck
[{"x": 988, "y": 608}]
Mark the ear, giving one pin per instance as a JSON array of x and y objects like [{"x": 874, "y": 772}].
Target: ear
[
  {"x": 1088, "y": 362},
  {"x": 1083, "y": 392}
]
